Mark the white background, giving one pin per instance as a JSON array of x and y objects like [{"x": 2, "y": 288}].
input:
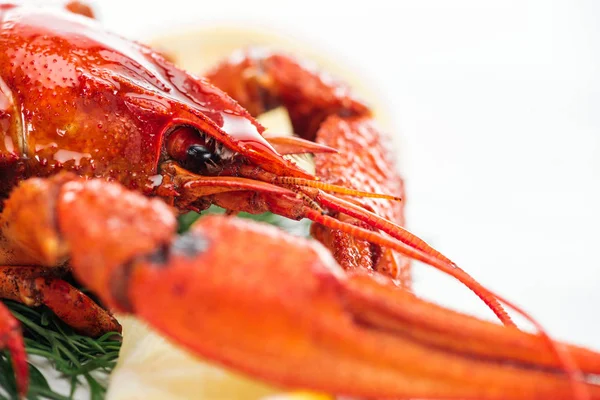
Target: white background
[{"x": 496, "y": 105}]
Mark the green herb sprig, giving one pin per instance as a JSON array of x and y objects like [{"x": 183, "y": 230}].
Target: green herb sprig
[{"x": 79, "y": 359}]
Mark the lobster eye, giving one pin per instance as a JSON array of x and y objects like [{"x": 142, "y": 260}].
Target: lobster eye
[
  {"x": 199, "y": 155},
  {"x": 197, "y": 152},
  {"x": 193, "y": 149}
]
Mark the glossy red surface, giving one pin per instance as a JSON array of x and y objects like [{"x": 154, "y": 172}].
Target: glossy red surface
[{"x": 73, "y": 96}]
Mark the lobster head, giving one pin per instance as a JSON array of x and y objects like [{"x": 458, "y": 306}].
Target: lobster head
[
  {"x": 80, "y": 98},
  {"x": 83, "y": 99}
]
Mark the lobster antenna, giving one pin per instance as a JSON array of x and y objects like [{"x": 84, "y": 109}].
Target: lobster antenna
[
  {"x": 308, "y": 201},
  {"x": 564, "y": 357},
  {"x": 417, "y": 254},
  {"x": 288, "y": 180},
  {"x": 376, "y": 221}
]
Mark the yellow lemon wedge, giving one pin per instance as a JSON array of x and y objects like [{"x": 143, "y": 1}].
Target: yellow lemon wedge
[{"x": 151, "y": 368}]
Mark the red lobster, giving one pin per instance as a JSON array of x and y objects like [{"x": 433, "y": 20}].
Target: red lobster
[{"x": 94, "y": 125}]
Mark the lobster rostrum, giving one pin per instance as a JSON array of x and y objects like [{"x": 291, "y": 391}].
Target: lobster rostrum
[{"x": 104, "y": 141}]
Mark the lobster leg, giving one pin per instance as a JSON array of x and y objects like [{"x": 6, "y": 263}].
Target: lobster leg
[
  {"x": 278, "y": 304},
  {"x": 323, "y": 110},
  {"x": 35, "y": 287},
  {"x": 11, "y": 339}
]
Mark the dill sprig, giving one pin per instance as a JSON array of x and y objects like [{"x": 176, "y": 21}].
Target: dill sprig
[{"x": 80, "y": 360}]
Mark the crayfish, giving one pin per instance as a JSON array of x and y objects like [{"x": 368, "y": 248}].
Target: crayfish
[{"x": 104, "y": 141}]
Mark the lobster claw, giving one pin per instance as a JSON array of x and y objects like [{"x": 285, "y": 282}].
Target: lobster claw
[{"x": 281, "y": 309}]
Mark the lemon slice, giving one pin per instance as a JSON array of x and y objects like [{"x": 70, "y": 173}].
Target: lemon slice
[{"x": 151, "y": 368}]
